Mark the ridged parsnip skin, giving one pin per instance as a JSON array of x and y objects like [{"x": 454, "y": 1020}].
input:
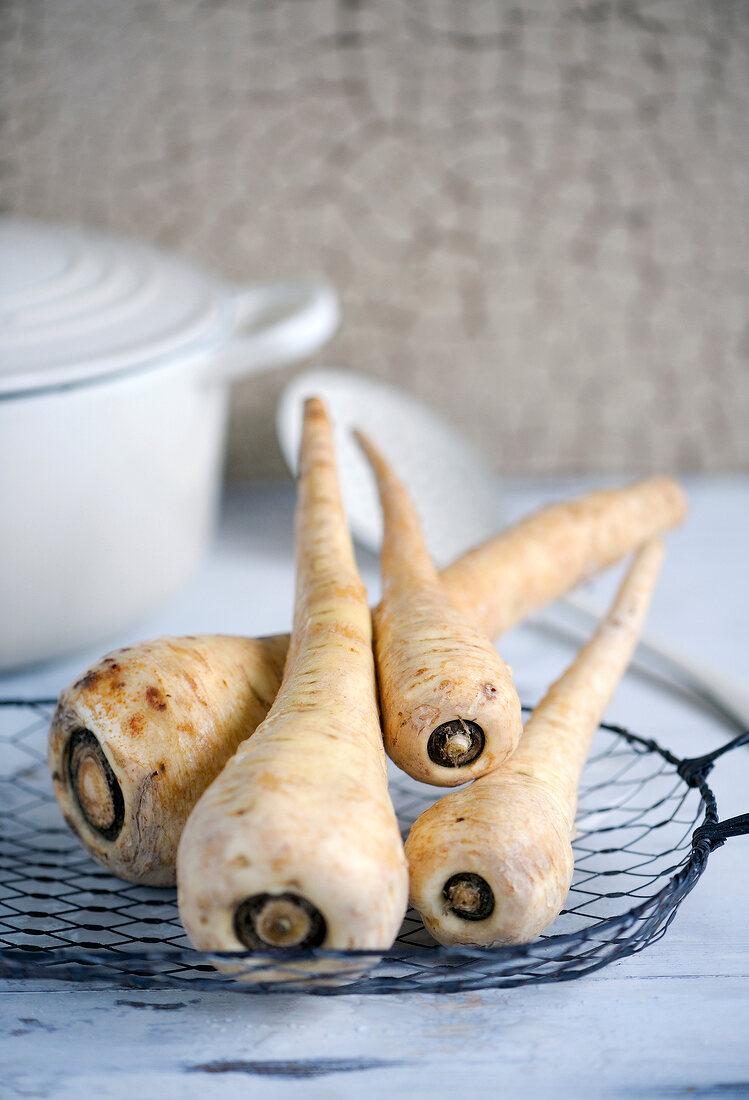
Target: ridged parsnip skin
[
  {"x": 513, "y": 827},
  {"x": 497, "y": 585},
  {"x": 534, "y": 562},
  {"x": 434, "y": 666},
  {"x": 303, "y": 806},
  {"x": 167, "y": 715}
]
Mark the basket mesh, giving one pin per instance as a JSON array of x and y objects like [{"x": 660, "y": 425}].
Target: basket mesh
[{"x": 61, "y": 916}]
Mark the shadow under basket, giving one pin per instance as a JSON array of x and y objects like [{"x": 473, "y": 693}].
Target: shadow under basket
[{"x": 646, "y": 825}]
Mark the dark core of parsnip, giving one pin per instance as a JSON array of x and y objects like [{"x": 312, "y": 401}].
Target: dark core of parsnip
[
  {"x": 218, "y": 688},
  {"x": 492, "y": 863},
  {"x": 450, "y": 711},
  {"x": 296, "y": 843}
]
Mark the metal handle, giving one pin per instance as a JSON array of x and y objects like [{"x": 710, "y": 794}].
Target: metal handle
[
  {"x": 694, "y": 770},
  {"x": 715, "y": 833},
  {"x": 275, "y": 325}
]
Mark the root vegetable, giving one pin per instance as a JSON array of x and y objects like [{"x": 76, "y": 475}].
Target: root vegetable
[
  {"x": 135, "y": 742},
  {"x": 496, "y": 585},
  {"x": 539, "y": 559},
  {"x": 296, "y": 843},
  {"x": 492, "y": 863},
  {"x": 450, "y": 710}
]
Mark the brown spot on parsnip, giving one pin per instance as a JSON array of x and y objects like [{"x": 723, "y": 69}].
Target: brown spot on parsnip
[
  {"x": 88, "y": 680},
  {"x": 155, "y": 698},
  {"x": 136, "y": 722}
]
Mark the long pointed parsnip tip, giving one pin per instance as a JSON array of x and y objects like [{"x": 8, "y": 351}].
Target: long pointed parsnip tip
[
  {"x": 449, "y": 707},
  {"x": 296, "y": 844},
  {"x": 314, "y": 408},
  {"x": 373, "y": 456},
  {"x": 362, "y": 439},
  {"x": 537, "y": 560}
]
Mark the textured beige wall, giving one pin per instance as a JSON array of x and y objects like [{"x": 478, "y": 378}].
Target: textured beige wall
[{"x": 537, "y": 213}]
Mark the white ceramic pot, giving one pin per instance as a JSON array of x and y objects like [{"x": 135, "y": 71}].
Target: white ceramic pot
[{"x": 115, "y": 364}]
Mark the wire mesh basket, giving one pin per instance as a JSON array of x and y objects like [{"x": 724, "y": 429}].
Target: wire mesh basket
[{"x": 647, "y": 823}]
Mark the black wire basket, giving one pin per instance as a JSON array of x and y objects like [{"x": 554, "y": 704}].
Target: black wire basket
[{"x": 646, "y": 825}]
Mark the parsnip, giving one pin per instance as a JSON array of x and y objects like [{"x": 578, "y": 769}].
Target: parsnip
[
  {"x": 167, "y": 715},
  {"x": 492, "y": 863},
  {"x": 450, "y": 710},
  {"x": 496, "y": 585},
  {"x": 539, "y": 559},
  {"x": 296, "y": 843}
]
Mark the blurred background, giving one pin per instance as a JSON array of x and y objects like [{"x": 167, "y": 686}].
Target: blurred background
[{"x": 536, "y": 214}]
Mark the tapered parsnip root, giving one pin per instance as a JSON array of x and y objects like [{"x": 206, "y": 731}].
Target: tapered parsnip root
[
  {"x": 135, "y": 742},
  {"x": 492, "y": 863},
  {"x": 496, "y": 585},
  {"x": 296, "y": 843},
  {"x": 450, "y": 710},
  {"x": 539, "y": 559}
]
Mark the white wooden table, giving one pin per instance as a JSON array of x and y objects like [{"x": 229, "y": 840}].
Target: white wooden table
[{"x": 671, "y": 1021}]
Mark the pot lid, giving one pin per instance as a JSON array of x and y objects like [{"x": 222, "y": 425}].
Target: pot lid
[{"x": 77, "y": 305}]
